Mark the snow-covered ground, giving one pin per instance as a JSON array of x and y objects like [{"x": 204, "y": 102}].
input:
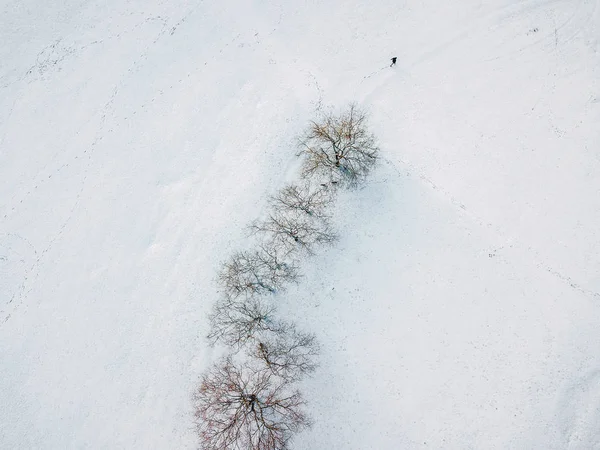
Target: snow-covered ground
[{"x": 461, "y": 307}]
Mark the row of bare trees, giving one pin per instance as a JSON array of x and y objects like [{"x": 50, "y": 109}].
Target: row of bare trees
[{"x": 248, "y": 399}]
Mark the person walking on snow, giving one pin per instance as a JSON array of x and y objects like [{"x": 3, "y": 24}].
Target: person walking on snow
[{"x": 393, "y": 61}]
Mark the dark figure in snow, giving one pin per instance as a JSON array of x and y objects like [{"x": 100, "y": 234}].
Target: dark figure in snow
[{"x": 393, "y": 61}]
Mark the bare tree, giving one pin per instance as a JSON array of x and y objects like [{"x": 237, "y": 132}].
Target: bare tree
[
  {"x": 339, "y": 148},
  {"x": 310, "y": 199},
  {"x": 238, "y": 408},
  {"x": 266, "y": 270},
  {"x": 292, "y": 229},
  {"x": 289, "y": 354},
  {"x": 234, "y": 321}
]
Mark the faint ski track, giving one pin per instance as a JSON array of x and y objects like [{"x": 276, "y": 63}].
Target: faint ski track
[
  {"x": 570, "y": 29},
  {"x": 511, "y": 241},
  {"x": 32, "y": 274},
  {"x": 18, "y": 293},
  {"x": 577, "y": 21},
  {"x": 319, "y": 103},
  {"x": 104, "y": 111}
]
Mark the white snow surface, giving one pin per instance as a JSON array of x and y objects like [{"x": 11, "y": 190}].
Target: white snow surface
[{"x": 460, "y": 308}]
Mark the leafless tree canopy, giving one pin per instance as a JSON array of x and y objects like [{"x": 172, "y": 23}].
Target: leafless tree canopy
[
  {"x": 253, "y": 406},
  {"x": 289, "y": 354},
  {"x": 234, "y": 321},
  {"x": 243, "y": 409},
  {"x": 261, "y": 271},
  {"x": 295, "y": 229},
  {"x": 339, "y": 148},
  {"x": 310, "y": 199}
]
